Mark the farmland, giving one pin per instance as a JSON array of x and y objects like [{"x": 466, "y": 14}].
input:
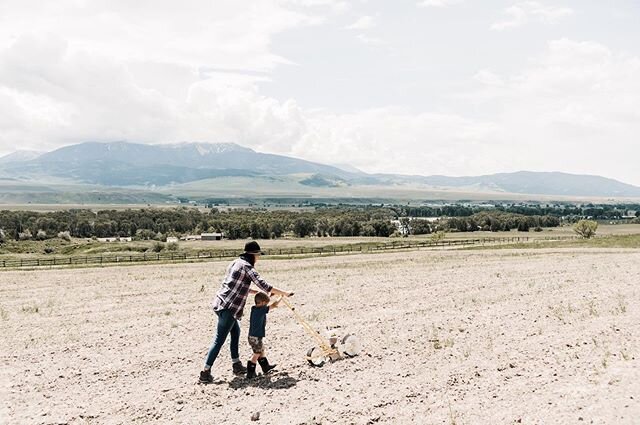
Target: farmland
[{"x": 544, "y": 335}]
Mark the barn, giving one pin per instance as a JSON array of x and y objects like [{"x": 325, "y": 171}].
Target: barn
[{"x": 212, "y": 236}]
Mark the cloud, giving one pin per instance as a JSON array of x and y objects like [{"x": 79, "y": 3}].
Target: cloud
[
  {"x": 438, "y": 3},
  {"x": 571, "y": 109},
  {"x": 370, "y": 41},
  {"x": 125, "y": 70},
  {"x": 363, "y": 23},
  {"x": 521, "y": 13}
]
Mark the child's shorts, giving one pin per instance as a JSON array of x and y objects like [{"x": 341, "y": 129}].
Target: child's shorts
[{"x": 256, "y": 344}]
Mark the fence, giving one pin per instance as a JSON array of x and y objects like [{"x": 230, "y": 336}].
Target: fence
[{"x": 222, "y": 254}]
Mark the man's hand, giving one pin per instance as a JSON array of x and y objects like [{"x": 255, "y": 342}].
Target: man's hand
[{"x": 276, "y": 291}]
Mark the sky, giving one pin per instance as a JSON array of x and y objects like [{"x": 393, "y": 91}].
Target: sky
[{"x": 453, "y": 87}]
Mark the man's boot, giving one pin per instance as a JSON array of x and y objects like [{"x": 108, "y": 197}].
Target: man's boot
[
  {"x": 238, "y": 368},
  {"x": 251, "y": 370},
  {"x": 264, "y": 364}
]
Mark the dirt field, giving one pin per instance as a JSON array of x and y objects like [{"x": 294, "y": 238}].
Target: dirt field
[{"x": 482, "y": 337}]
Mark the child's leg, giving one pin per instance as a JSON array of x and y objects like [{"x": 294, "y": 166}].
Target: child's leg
[
  {"x": 256, "y": 348},
  {"x": 264, "y": 363}
]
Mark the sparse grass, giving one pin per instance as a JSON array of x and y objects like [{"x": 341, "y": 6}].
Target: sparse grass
[
  {"x": 610, "y": 241},
  {"x": 4, "y": 314},
  {"x": 561, "y": 311},
  {"x": 467, "y": 352},
  {"x": 334, "y": 297},
  {"x": 453, "y": 417},
  {"x": 605, "y": 359},
  {"x": 622, "y": 304},
  {"x": 32, "y": 309},
  {"x": 313, "y": 317}
]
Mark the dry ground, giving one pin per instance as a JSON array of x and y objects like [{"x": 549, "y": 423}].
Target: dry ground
[{"x": 500, "y": 337}]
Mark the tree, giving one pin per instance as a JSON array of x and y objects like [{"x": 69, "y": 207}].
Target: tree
[
  {"x": 586, "y": 228},
  {"x": 303, "y": 227},
  {"x": 2, "y": 236},
  {"x": 41, "y": 235},
  {"x": 420, "y": 227},
  {"x": 523, "y": 225}
]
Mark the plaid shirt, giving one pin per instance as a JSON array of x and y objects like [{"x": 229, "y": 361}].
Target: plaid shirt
[{"x": 235, "y": 287}]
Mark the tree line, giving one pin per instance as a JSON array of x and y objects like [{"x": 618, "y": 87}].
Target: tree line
[
  {"x": 370, "y": 220},
  {"x": 158, "y": 223}
]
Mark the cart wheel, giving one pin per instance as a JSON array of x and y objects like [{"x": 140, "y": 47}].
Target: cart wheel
[
  {"x": 316, "y": 357},
  {"x": 350, "y": 345}
]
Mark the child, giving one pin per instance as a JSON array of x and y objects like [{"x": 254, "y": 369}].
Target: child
[{"x": 257, "y": 326}]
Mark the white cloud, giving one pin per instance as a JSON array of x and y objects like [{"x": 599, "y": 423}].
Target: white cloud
[
  {"x": 438, "y": 3},
  {"x": 370, "y": 41},
  {"x": 523, "y": 12},
  {"x": 572, "y": 109},
  {"x": 75, "y": 71},
  {"x": 363, "y": 23}
]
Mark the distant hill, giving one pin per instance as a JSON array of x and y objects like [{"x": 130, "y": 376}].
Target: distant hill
[
  {"x": 19, "y": 156},
  {"x": 529, "y": 182},
  {"x": 220, "y": 166},
  {"x": 134, "y": 164}
]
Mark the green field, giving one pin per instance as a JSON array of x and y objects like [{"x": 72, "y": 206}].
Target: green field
[{"x": 609, "y": 236}]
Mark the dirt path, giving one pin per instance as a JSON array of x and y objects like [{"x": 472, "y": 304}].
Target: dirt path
[{"x": 449, "y": 337}]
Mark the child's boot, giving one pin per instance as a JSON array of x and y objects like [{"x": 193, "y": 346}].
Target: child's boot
[
  {"x": 251, "y": 370},
  {"x": 264, "y": 364}
]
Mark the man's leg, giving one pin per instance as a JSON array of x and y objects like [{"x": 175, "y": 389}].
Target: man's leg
[
  {"x": 235, "y": 341},
  {"x": 225, "y": 325},
  {"x": 238, "y": 368}
]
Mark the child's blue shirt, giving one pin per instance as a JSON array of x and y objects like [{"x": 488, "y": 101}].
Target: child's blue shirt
[{"x": 258, "y": 321}]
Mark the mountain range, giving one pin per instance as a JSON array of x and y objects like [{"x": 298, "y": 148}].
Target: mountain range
[{"x": 218, "y": 169}]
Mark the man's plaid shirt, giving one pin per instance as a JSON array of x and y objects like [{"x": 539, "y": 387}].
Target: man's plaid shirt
[{"x": 235, "y": 287}]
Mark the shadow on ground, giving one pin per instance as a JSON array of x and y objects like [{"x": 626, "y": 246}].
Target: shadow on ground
[{"x": 277, "y": 381}]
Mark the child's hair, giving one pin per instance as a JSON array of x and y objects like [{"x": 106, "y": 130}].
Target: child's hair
[{"x": 261, "y": 297}]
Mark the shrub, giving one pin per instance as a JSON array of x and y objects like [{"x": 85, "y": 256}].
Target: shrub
[
  {"x": 48, "y": 250},
  {"x": 145, "y": 234},
  {"x": 438, "y": 236},
  {"x": 2, "y": 236},
  {"x": 172, "y": 246},
  {"x": 66, "y": 236},
  {"x": 586, "y": 228},
  {"x": 25, "y": 236},
  {"x": 41, "y": 235},
  {"x": 157, "y": 247}
]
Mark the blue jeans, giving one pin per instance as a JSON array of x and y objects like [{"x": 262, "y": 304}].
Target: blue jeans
[{"x": 227, "y": 324}]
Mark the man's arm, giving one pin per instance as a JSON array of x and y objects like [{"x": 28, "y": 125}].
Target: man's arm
[
  {"x": 276, "y": 291},
  {"x": 262, "y": 284}
]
